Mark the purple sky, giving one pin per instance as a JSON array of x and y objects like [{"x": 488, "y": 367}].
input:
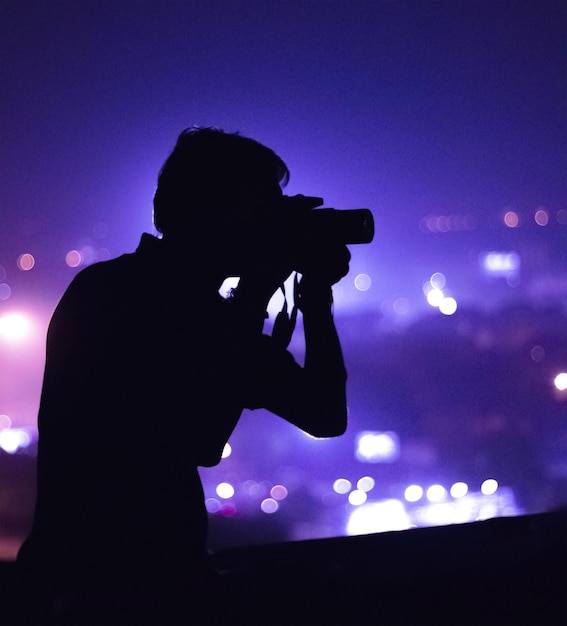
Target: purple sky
[{"x": 408, "y": 108}]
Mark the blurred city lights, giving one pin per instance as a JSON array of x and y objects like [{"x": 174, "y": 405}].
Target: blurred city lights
[
  {"x": 357, "y": 497},
  {"x": 14, "y": 326},
  {"x": 12, "y": 439},
  {"x": 560, "y": 381},
  {"x": 511, "y": 219},
  {"x": 413, "y": 493},
  {"x": 269, "y": 506},
  {"x": 378, "y": 517},
  {"x": 342, "y": 485},
  {"x": 278, "y": 492},
  {"x": 436, "y": 493},
  {"x": 73, "y": 258},
  {"x": 362, "y": 282},
  {"x": 366, "y": 483},
  {"x": 225, "y": 490},
  {"x": 26, "y": 261},
  {"x": 489, "y": 487},
  {"x": 459, "y": 490},
  {"x": 500, "y": 262},
  {"x": 438, "y": 280},
  {"x": 435, "y": 297},
  {"x": 448, "y": 306},
  {"x": 377, "y": 447},
  {"x": 541, "y": 217}
]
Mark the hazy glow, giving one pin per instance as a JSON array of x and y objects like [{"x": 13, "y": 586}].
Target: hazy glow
[
  {"x": 26, "y": 261},
  {"x": 14, "y": 326},
  {"x": 489, "y": 487},
  {"x": 225, "y": 490},
  {"x": 560, "y": 381},
  {"x": 269, "y": 506},
  {"x": 5, "y": 422},
  {"x": 413, "y": 493},
  {"x": 436, "y": 493},
  {"x": 458, "y": 490},
  {"x": 377, "y": 447},
  {"x": 537, "y": 353},
  {"x": 342, "y": 485},
  {"x": 378, "y": 517}
]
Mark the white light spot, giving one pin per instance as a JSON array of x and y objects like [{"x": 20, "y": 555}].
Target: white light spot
[
  {"x": 357, "y": 497},
  {"x": 560, "y": 381},
  {"x": 413, "y": 493},
  {"x": 377, "y": 447},
  {"x": 225, "y": 490},
  {"x": 436, "y": 493},
  {"x": 226, "y": 451},
  {"x": 366, "y": 483},
  {"x": 458, "y": 490},
  {"x": 489, "y": 487},
  {"x": 448, "y": 306},
  {"x": 435, "y": 297},
  {"x": 342, "y": 485}
]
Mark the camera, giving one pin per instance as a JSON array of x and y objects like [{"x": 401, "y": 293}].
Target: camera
[{"x": 343, "y": 226}]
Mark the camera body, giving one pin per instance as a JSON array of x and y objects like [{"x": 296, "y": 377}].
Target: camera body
[{"x": 350, "y": 226}]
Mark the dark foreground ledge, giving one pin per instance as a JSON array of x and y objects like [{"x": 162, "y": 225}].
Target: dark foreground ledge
[{"x": 509, "y": 571}]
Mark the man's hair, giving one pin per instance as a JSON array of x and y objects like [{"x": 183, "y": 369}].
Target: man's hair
[{"x": 207, "y": 167}]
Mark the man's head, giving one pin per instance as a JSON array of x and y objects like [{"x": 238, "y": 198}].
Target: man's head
[{"x": 214, "y": 179}]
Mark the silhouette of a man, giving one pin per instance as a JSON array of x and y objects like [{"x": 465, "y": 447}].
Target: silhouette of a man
[{"x": 148, "y": 370}]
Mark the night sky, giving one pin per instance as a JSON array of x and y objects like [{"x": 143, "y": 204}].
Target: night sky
[{"x": 411, "y": 109}]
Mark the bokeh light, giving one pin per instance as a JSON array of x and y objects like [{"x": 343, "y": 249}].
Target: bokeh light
[
  {"x": 459, "y": 490},
  {"x": 560, "y": 381},
  {"x": 436, "y": 493},
  {"x": 511, "y": 219},
  {"x": 413, "y": 493},
  {"x": 357, "y": 497},
  {"x": 73, "y": 258},
  {"x": 269, "y": 506},
  {"x": 489, "y": 487},
  {"x": 26, "y": 262},
  {"x": 225, "y": 490},
  {"x": 342, "y": 485}
]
